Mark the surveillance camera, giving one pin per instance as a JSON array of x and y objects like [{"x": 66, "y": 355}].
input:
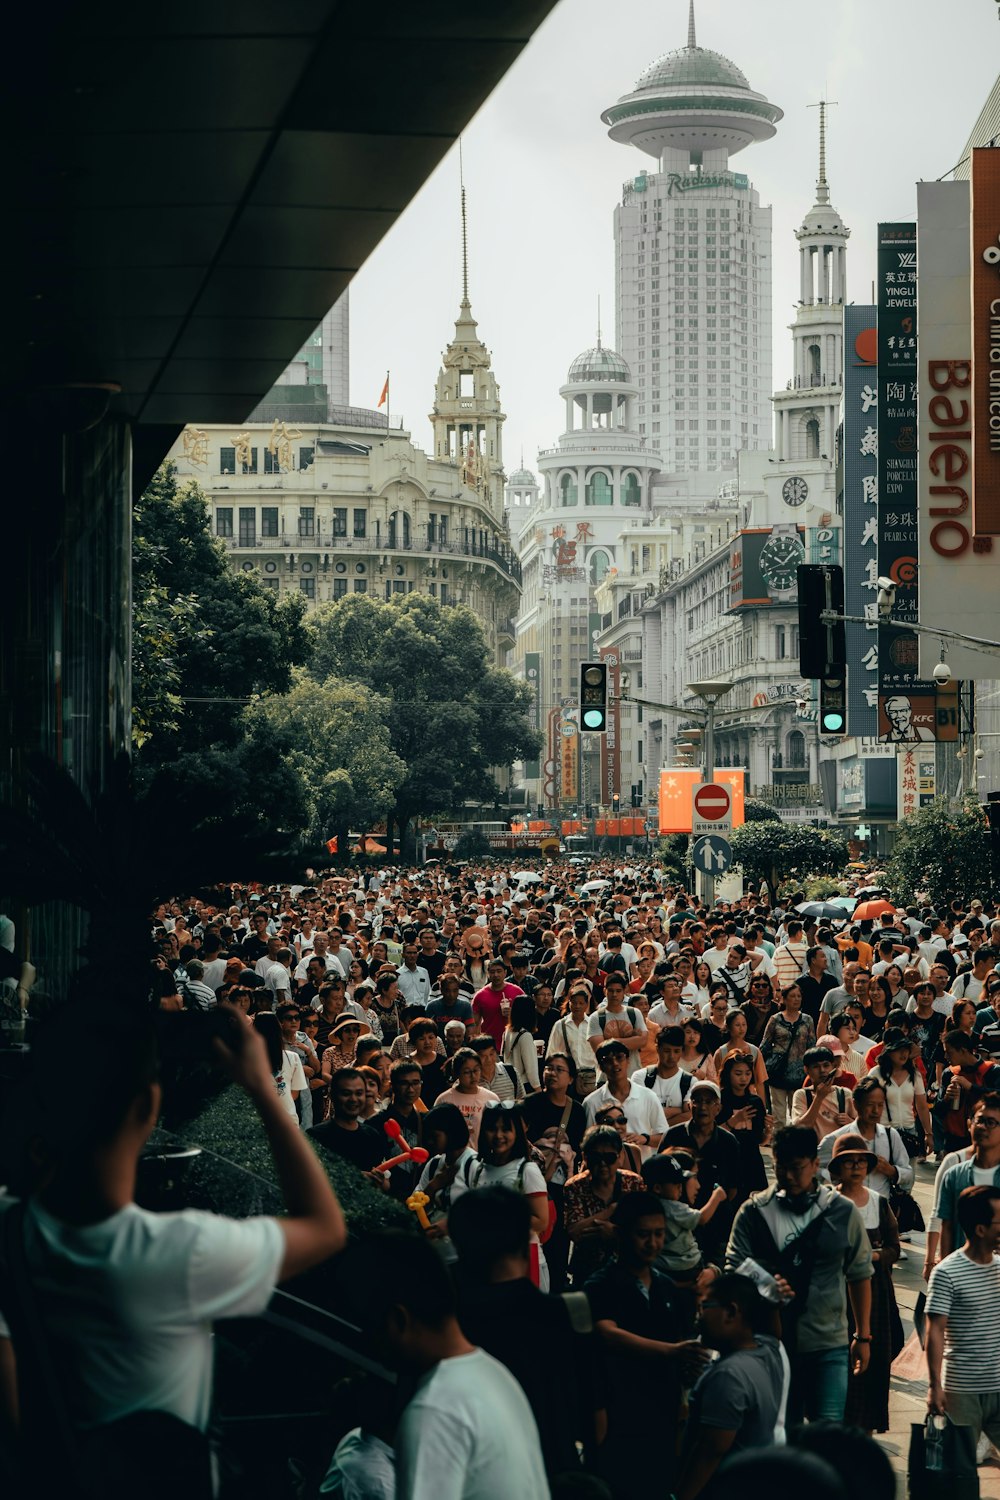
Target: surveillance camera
[
  {"x": 887, "y": 585},
  {"x": 886, "y": 597},
  {"x": 941, "y": 673},
  {"x": 801, "y": 705}
]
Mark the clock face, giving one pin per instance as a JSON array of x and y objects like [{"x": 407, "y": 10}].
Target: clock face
[
  {"x": 795, "y": 491},
  {"x": 779, "y": 558}
]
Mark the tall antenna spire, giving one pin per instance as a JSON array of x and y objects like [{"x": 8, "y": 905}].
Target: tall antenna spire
[
  {"x": 465, "y": 227},
  {"x": 598, "y": 320},
  {"x": 691, "y": 36},
  {"x": 822, "y": 187}
]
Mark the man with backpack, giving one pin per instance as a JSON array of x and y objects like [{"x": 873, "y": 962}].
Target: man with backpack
[
  {"x": 821, "y": 1104},
  {"x": 615, "y": 1019},
  {"x": 813, "y": 1241},
  {"x": 644, "y": 1117},
  {"x": 668, "y": 1080}
]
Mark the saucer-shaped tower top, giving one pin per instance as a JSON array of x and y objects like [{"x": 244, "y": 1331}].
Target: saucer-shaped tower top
[{"x": 692, "y": 100}]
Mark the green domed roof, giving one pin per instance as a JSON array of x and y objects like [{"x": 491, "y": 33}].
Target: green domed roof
[
  {"x": 522, "y": 478},
  {"x": 693, "y": 66},
  {"x": 598, "y": 364}
]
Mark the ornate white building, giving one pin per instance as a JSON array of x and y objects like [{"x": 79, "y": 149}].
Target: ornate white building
[
  {"x": 345, "y": 504},
  {"x": 597, "y": 479},
  {"x": 693, "y": 260}
]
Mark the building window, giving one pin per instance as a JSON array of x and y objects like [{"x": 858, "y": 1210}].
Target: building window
[
  {"x": 307, "y": 586},
  {"x": 307, "y": 520},
  {"x": 567, "y": 490},
  {"x": 271, "y": 464},
  {"x": 812, "y": 438},
  {"x": 631, "y": 488},
  {"x": 399, "y": 586},
  {"x": 227, "y": 460},
  {"x": 444, "y": 593},
  {"x": 361, "y": 585},
  {"x": 599, "y": 490},
  {"x": 224, "y": 520},
  {"x": 339, "y": 588},
  {"x": 779, "y": 642},
  {"x": 340, "y": 520},
  {"x": 269, "y": 520},
  {"x": 360, "y": 521},
  {"x": 306, "y": 457},
  {"x": 248, "y": 526},
  {"x": 270, "y": 583}
]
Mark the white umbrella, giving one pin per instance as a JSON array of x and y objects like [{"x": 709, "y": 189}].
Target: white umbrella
[
  {"x": 596, "y": 885},
  {"x": 527, "y": 877}
]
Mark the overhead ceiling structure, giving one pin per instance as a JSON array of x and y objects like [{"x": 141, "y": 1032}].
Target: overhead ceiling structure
[{"x": 192, "y": 184}]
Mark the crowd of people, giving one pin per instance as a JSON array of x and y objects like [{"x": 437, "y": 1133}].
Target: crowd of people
[{"x": 652, "y": 1152}]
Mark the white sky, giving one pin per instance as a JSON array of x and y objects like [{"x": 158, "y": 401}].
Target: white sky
[{"x": 542, "y": 180}]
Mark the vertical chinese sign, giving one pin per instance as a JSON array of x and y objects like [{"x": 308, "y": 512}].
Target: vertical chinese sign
[
  {"x": 906, "y": 704},
  {"x": 569, "y": 758},
  {"x": 611, "y": 766},
  {"x": 533, "y": 677},
  {"x": 916, "y": 777},
  {"x": 861, "y": 527}
]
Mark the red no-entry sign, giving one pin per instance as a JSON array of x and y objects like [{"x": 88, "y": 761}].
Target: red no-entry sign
[{"x": 711, "y": 808}]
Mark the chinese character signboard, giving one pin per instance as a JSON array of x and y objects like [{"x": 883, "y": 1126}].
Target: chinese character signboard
[
  {"x": 915, "y": 781},
  {"x": 861, "y": 515},
  {"x": 898, "y": 653},
  {"x": 611, "y": 749},
  {"x": 533, "y": 677},
  {"x": 569, "y": 758}
]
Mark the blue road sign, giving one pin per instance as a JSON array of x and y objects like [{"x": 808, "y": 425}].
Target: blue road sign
[{"x": 713, "y": 854}]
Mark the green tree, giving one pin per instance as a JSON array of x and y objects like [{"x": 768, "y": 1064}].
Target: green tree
[
  {"x": 774, "y": 851},
  {"x": 943, "y": 850},
  {"x": 202, "y": 630},
  {"x": 755, "y": 810},
  {"x": 335, "y": 738},
  {"x": 453, "y": 715}
]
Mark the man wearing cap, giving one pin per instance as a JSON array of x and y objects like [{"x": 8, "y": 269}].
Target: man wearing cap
[
  {"x": 718, "y": 1155},
  {"x": 644, "y": 1117}
]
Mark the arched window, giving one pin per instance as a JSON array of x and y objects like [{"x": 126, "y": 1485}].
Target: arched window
[
  {"x": 815, "y": 373},
  {"x": 600, "y": 562},
  {"x": 795, "y": 750},
  {"x": 599, "y": 489},
  {"x": 567, "y": 490},
  {"x": 812, "y": 438},
  {"x": 631, "y": 490}
]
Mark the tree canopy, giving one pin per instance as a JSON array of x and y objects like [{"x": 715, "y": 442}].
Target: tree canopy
[
  {"x": 200, "y": 629},
  {"x": 773, "y": 851},
  {"x": 453, "y": 715},
  {"x": 942, "y": 850}
]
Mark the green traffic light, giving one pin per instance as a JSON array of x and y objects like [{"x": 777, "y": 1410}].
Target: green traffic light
[
  {"x": 593, "y": 718},
  {"x": 833, "y": 723}
]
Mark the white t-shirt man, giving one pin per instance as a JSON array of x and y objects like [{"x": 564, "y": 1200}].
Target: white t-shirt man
[
  {"x": 128, "y": 1304},
  {"x": 468, "y": 1433},
  {"x": 641, "y": 1108}
]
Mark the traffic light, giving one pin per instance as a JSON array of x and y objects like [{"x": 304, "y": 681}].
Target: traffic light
[
  {"x": 593, "y": 697},
  {"x": 822, "y": 645},
  {"x": 833, "y": 705},
  {"x": 616, "y": 804}
]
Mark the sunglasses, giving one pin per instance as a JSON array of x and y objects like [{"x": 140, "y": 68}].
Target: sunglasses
[{"x": 601, "y": 1158}]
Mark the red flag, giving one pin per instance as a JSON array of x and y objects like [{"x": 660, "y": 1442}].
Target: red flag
[
  {"x": 385, "y": 393},
  {"x": 331, "y": 844}
]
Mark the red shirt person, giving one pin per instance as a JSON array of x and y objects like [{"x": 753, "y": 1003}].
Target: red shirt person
[{"x": 491, "y": 1004}]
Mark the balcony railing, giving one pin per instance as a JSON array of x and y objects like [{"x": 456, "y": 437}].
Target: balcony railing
[{"x": 325, "y": 542}]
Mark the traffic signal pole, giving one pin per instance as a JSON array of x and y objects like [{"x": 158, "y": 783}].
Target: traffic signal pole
[{"x": 708, "y": 879}]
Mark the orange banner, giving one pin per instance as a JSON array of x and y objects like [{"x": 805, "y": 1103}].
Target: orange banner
[{"x": 676, "y": 787}]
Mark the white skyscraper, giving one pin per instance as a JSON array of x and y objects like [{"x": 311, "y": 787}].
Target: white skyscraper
[{"x": 693, "y": 260}]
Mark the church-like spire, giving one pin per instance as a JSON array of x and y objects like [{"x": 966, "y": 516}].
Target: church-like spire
[
  {"x": 692, "y": 41},
  {"x": 465, "y": 228},
  {"x": 822, "y": 186},
  {"x": 598, "y": 320}
]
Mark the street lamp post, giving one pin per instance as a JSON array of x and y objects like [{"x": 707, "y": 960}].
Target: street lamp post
[{"x": 709, "y": 693}]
